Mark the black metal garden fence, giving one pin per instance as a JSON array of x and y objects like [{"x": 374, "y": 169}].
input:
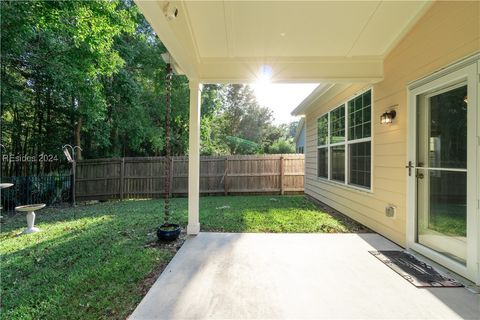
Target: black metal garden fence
[{"x": 48, "y": 189}]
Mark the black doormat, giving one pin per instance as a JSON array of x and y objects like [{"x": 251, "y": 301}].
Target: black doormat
[{"x": 411, "y": 269}]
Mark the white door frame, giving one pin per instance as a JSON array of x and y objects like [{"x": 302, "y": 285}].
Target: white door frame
[{"x": 468, "y": 70}]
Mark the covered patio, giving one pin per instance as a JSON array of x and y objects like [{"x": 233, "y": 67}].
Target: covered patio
[
  {"x": 346, "y": 47},
  {"x": 286, "y": 276},
  {"x": 274, "y": 41}
]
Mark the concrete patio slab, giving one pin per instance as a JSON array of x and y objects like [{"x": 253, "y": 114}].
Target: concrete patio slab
[{"x": 286, "y": 276}]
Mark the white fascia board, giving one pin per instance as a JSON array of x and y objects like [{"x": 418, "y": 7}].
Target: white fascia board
[
  {"x": 321, "y": 94},
  {"x": 173, "y": 36},
  {"x": 311, "y": 98}
]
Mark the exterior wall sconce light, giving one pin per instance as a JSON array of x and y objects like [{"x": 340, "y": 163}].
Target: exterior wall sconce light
[{"x": 387, "y": 117}]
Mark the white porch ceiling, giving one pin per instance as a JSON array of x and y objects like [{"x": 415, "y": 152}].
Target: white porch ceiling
[{"x": 312, "y": 41}]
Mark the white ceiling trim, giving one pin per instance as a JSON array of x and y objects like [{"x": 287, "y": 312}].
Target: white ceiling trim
[
  {"x": 228, "y": 29},
  {"x": 153, "y": 12},
  {"x": 273, "y": 60},
  {"x": 183, "y": 8},
  {"x": 363, "y": 29},
  {"x": 396, "y": 40},
  {"x": 179, "y": 38}
]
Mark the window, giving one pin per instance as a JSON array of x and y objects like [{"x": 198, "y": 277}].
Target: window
[
  {"x": 337, "y": 143},
  {"x": 322, "y": 132},
  {"x": 323, "y": 162},
  {"x": 322, "y": 141},
  {"x": 359, "y": 116},
  {"x": 360, "y": 164},
  {"x": 338, "y": 163},
  {"x": 337, "y": 125},
  {"x": 344, "y": 142}
]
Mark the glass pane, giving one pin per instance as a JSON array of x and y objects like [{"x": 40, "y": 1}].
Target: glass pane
[
  {"x": 367, "y": 129},
  {"x": 442, "y": 128},
  {"x": 351, "y": 106},
  {"x": 359, "y": 163},
  {"x": 337, "y": 125},
  {"x": 367, "y": 114},
  {"x": 322, "y": 130},
  {"x": 338, "y": 163},
  {"x": 323, "y": 162},
  {"x": 442, "y": 212},
  {"x": 358, "y": 103},
  {"x": 367, "y": 98},
  {"x": 359, "y": 117}
]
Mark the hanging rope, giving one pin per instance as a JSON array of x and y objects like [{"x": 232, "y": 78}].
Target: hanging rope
[{"x": 168, "y": 158}]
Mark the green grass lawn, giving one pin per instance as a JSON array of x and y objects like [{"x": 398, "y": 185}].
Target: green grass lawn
[
  {"x": 449, "y": 219},
  {"x": 97, "y": 261}
]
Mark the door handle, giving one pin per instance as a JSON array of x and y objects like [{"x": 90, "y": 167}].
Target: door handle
[{"x": 409, "y": 167}]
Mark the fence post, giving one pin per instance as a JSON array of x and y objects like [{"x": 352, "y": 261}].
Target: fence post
[
  {"x": 282, "y": 173},
  {"x": 225, "y": 177},
  {"x": 171, "y": 178},
  {"x": 74, "y": 169},
  {"x": 122, "y": 178}
]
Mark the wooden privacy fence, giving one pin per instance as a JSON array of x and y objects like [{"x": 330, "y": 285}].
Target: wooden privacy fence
[{"x": 123, "y": 178}]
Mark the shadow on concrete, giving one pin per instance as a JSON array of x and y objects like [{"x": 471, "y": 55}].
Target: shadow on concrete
[{"x": 460, "y": 300}]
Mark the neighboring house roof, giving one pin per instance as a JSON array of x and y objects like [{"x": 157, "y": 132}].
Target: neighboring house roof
[{"x": 300, "y": 126}]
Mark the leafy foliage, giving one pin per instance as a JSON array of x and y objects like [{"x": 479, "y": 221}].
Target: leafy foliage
[
  {"x": 90, "y": 73},
  {"x": 241, "y": 146},
  {"x": 87, "y": 73},
  {"x": 282, "y": 146},
  {"x": 239, "y": 125}
]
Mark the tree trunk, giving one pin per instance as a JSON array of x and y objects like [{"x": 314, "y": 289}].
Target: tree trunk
[
  {"x": 77, "y": 142},
  {"x": 50, "y": 142}
]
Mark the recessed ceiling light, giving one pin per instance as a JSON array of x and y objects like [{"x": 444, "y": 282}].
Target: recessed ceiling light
[{"x": 282, "y": 34}]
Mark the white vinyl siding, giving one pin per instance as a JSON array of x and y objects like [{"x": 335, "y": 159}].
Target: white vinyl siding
[{"x": 429, "y": 46}]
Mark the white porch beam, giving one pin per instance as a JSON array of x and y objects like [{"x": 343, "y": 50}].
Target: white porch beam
[
  {"x": 292, "y": 70},
  {"x": 193, "y": 227}
]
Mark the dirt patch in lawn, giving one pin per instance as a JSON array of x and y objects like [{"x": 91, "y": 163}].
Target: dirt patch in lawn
[
  {"x": 173, "y": 247},
  {"x": 353, "y": 225},
  {"x": 149, "y": 280}
]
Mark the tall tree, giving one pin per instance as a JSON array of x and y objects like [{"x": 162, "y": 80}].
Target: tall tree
[
  {"x": 90, "y": 73},
  {"x": 54, "y": 55},
  {"x": 242, "y": 117}
]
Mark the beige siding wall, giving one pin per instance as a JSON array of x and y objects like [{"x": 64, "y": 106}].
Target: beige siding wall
[{"x": 447, "y": 32}]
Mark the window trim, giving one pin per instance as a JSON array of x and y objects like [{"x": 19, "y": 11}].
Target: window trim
[
  {"x": 328, "y": 159},
  {"x": 347, "y": 144}
]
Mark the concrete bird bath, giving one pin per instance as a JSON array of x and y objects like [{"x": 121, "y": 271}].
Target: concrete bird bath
[
  {"x": 3, "y": 186},
  {"x": 30, "y": 210}
]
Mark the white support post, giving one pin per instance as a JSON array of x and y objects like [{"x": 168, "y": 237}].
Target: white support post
[{"x": 193, "y": 227}]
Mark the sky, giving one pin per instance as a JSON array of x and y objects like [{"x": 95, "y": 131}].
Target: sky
[{"x": 282, "y": 98}]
